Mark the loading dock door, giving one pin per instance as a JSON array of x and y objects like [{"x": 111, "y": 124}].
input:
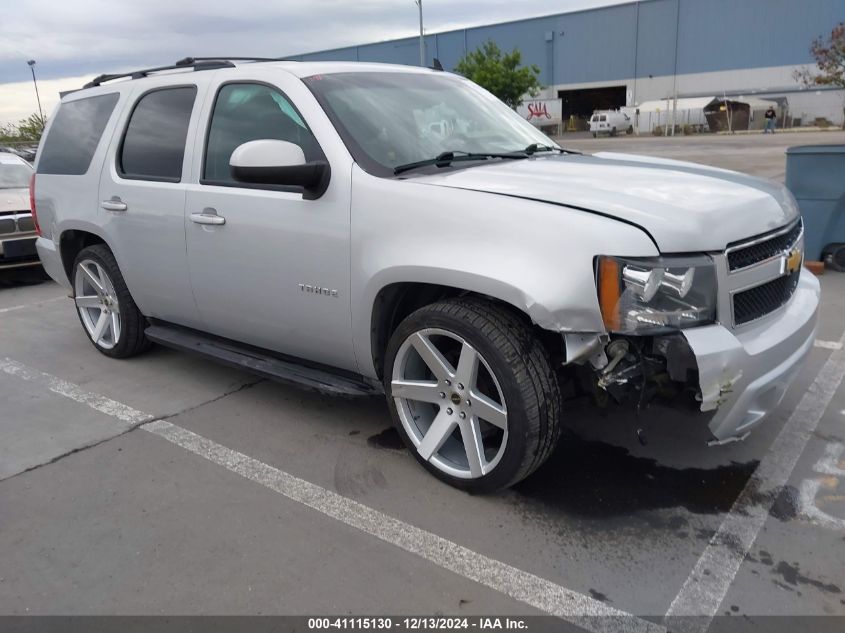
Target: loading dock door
[{"x": 581, "y": 103}]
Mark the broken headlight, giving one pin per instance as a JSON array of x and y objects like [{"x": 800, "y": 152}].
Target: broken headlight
[{"x": 657, "y": 294}]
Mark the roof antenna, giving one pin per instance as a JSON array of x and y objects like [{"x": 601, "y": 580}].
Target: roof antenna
[{"x": 436, "y": 65}]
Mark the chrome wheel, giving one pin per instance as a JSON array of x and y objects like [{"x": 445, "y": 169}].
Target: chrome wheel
[
  {"x": 96, "y": 301},
  {"x": 450, "y": 403}
]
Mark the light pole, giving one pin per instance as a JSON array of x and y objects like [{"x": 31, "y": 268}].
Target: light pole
[
  {"x": 422, "y": 37},
  {"x": 31, "y": 64}
]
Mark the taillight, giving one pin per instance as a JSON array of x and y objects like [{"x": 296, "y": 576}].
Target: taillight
[{"x": 32, "y": 205}]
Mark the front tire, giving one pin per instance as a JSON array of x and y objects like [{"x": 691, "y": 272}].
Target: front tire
[
  {"x": 105, "y": 308},
  {"x": 472, "y": 393}
]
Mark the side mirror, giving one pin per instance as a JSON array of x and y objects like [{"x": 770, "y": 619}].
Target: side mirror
[{"x": 272, "y": 162}]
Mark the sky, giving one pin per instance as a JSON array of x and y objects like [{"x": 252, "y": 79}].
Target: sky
[{"x": 75, "y": 40}]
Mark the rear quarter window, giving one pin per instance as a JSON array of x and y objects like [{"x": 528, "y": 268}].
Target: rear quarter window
[{"x": 75, "y": 134}]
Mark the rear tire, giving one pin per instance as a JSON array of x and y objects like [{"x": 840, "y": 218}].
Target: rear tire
[
  {"x": 106, "y": 310},
  {"x": 508, "y": 410}
]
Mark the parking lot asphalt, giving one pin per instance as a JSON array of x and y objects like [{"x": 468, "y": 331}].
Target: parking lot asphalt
[
  {"x": 758, "y": 154},
  {"x": 167, "y": 484}
]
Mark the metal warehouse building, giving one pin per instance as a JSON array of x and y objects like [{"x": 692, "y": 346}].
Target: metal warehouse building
[{"x": 628, "y": 54}]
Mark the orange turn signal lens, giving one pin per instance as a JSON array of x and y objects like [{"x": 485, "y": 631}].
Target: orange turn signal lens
[{"x": 609, "y": 292}]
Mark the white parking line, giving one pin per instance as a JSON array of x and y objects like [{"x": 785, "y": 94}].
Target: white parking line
[
  {"x": 710, "y": 579},
  {"x": 829, "y": 463},
  {"x": 29, "y": 306},
  {"x": 528, "y": 588},
  {"x": 834, "y": 345},
  {"x": 74, "y": 392},
  {"x": 808, "y": 502},
  {"x": 807, "y": 493}
]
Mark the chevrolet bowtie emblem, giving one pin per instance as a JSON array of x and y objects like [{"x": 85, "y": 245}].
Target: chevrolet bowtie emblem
[{"x": 793, "y": 260}]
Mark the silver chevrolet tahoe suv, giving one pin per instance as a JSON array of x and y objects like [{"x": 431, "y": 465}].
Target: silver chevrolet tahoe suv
[{"x": 366, "y": 229}]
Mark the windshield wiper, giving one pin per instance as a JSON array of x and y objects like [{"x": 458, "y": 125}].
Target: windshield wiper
[
  {"x": 444, "y": 159},
  {"x": 537, "y": 147}
]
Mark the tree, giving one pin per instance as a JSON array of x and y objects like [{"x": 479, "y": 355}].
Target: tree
[
  {"x": 830, "y": 58},
  {"x": 26, "y": 130},
  {"x": 31, "y": 128},
  {"x": 500, "y": 73},
  {"x": 8, "y": 132}
]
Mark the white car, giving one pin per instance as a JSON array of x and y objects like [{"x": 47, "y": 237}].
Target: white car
[
  {"x": 302, "y": 221},
  {"x": 17, "y": 230},
  {"x": 610, "y": 122}
]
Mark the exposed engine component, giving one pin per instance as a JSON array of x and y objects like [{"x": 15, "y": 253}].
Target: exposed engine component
[
  {"x": 644, "y": 368},
  {"x": 616, "y": 351}
]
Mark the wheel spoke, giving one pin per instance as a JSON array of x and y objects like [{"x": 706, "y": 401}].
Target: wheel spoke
[
  {"x": 467, "y": 366},
  {"x": 91, "y": 301},
  {"x": 106, "y": 281},
  {"x": 115, "y": 327},
  {"x": 439, "y": 431},
  {"x": 486, "y": 409},
  {"x": 94, "y": 280},
  {"x": 100, "y": 328},
  {"x": 421, "y": 390},
  {"x": 432, "y": 357},
  {"x": 473, "y": 445}
]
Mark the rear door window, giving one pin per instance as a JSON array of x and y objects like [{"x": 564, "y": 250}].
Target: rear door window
[
  {"x": 153, "y": 145},
  {"x": 75, "y": 134}
]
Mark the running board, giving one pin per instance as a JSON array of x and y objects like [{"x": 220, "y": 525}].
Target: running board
[{"x": 257, "y": 362}]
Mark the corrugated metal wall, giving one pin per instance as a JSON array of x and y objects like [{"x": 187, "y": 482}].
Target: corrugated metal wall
[{"x": 633, "y": 40}]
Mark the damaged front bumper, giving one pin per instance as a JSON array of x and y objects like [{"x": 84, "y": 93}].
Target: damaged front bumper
[
  {"x": 737, "y": 375},
  {"x": 743, "y": 374}
]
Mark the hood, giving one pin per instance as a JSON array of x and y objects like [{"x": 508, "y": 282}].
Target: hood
[
  {"x": 685, "y": 207},
  {"x": 14, "y": 200}
]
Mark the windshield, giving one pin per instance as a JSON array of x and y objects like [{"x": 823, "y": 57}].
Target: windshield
[
  {"x": 14, "y": 174},
  {"x": 389, "y": 119}
]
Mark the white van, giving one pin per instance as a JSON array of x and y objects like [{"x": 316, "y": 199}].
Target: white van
[{"x": 610, "y": 121}]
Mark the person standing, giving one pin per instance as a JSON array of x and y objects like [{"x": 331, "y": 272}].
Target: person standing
[{"x": 771, "y": 119}]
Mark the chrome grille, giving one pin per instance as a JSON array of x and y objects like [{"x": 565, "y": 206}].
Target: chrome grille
[
  {"x": 751, "y": 304},
  {"x": 16, "y": 222},
  {"x": 763, "y": 272},
  {"x": 750, "y": 252}
]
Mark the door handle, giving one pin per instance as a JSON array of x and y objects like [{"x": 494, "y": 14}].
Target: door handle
[
  {"x": 114, "y": 204},
  {"x": 208, "y": 216}
]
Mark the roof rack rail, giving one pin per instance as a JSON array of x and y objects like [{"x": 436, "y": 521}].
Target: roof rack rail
[
  {"x": 197, "y": 63},
  {"x": 191, "y": 60}
]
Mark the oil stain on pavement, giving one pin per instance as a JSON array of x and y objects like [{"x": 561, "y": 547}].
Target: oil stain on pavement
[
  {"x": 596, "y": 480},
  {"x": 388, "y": 438}
]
